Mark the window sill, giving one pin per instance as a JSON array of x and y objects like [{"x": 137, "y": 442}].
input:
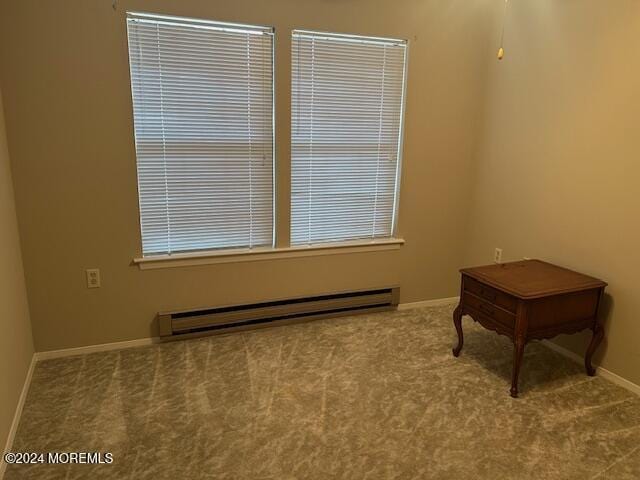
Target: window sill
[{"x": 234, "y": 256}]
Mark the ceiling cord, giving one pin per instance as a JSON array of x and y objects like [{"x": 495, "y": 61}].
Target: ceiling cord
[{"x": 504, "y": 20}]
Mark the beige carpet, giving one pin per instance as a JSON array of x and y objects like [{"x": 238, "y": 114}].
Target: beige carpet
[{"x": 375, "y": 397}]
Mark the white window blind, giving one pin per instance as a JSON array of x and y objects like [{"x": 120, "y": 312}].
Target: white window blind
[
  {"x": 203, "y": 114},
  {"x": 347, "y": 107}
]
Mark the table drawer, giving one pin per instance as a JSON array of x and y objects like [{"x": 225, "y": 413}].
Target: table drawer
[
  {"x": 490, "y": 294},
  {"x": 489, "y": 310}
]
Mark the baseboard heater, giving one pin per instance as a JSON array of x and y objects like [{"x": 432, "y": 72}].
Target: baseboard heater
[{"x": 206, "y": 321}]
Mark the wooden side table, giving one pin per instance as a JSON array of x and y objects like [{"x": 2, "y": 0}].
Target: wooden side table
[{"x": 530, "y": 300}]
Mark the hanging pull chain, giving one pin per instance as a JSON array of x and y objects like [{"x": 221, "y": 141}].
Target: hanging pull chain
[{"x": 504, "y": 20}]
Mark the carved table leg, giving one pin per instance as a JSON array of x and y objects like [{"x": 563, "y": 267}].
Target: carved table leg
[
  {"x": 457, "y": 321},
  {"x": 518, "y": 352},
  {"x": 598, "y": 335}
]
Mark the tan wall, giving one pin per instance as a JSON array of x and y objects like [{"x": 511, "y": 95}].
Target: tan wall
[
  {"x": 64, "y": 69},
  {"x": 16, "y": 345},
  {"x": 558, "y": 173}
]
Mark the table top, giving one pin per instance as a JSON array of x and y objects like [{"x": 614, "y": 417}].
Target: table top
[{"x": 529, "y": 279}]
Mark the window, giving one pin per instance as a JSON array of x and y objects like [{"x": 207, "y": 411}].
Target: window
[
  {"x": 203, "y": 115},
  {"x": 347, "y": 108}
]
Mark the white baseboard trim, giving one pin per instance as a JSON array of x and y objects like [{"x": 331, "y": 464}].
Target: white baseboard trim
[
  {"x": 437, "y": 302},
  {"x": 103, "y": 347},
  {"x": 603, "y": 372},
  {"x": 18, "y": 412}
]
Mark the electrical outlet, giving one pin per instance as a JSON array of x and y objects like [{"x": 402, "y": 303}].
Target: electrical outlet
[
  {"x": 93, "y": 278},
  {"x": 497, "y": 255}
]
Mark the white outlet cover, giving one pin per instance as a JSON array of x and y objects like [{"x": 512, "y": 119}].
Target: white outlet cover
[{"x": 93, "y": 278}]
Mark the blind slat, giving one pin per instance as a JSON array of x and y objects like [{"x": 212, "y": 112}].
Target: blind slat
[
  {"x": 203, "y": 116},
  {"x": 346, "y": 118}
]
